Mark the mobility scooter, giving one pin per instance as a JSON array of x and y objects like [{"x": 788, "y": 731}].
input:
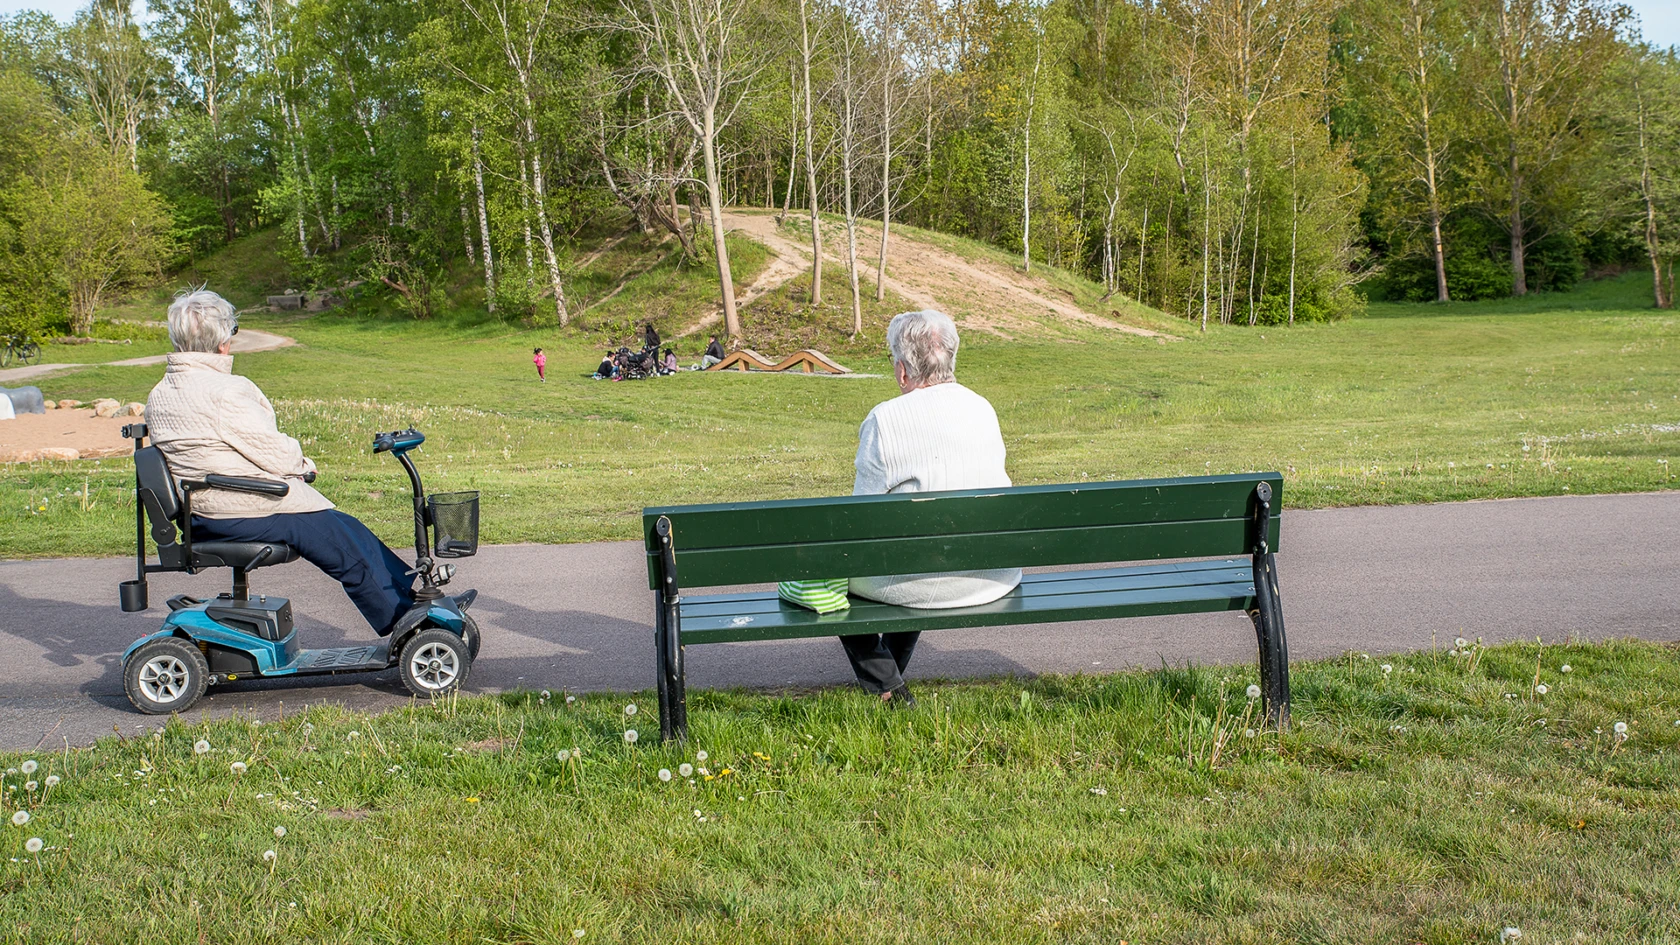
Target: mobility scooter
[{"x": 235, "y": 635}]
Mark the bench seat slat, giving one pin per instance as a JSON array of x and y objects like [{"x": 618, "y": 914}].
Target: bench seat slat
[
  {"x": 1174, "y": 574},
  {"x": 1041, "y": 598}
]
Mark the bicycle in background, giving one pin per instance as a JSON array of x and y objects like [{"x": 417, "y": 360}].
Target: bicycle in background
[{"x": 20, "y": 349}]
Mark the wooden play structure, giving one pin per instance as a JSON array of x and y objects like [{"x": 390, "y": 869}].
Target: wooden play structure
[{"x": 806, "y": 361}]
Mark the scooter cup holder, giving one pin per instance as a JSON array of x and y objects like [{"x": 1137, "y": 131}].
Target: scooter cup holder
[
  {"x": 454, "y": 518},
  {"x": 133, "y": 596}
]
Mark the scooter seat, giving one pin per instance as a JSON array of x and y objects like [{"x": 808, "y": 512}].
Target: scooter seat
[{"x": 245, "y": 555}]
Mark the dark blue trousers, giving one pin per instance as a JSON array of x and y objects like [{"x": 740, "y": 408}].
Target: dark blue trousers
[{"x": 338, "y": 544}]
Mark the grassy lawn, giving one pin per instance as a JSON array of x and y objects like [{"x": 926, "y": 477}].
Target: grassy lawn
[
  {"x": 1573, "y": 393},
  {"x": 1440, "y": 802}
]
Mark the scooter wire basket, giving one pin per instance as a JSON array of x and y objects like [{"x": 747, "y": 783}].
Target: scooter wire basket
[{"x": 454, "y": 523}]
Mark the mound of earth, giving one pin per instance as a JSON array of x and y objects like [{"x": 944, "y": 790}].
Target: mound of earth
[{"x": 62, "y": 434}]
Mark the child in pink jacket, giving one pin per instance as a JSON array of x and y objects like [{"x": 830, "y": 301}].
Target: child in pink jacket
[{"x": 541, "y": 361}]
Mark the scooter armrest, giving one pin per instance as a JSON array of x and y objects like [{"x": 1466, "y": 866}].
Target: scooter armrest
[{"x": 273, "y": 487}]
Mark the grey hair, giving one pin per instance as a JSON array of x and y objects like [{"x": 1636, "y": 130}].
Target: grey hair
[
  {"x": 200, "y": 320},
  {"x": 925, "y": 342}
]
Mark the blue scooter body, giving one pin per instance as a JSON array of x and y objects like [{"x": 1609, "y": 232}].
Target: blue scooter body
[{"x": 261, "y": 629}]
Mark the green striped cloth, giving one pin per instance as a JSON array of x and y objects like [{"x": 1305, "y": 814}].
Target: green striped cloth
[{"x": 821, "y": 596}]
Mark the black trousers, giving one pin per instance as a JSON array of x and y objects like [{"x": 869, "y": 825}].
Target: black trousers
[
  {"x": 338, "y": 544},
  {"x": 879, "y": 659}
]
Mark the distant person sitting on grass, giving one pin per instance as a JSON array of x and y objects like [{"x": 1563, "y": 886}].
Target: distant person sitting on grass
[
  {"x": 607, "y": 369},
  {"x": 208, "y": 420},
  {"x": 670, "y": 363},
  {"x": 938, "y": 435},
  {"x": 714, "y": 354}
]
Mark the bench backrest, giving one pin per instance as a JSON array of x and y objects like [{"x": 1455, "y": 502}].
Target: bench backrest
[{"x": 912, "y": 533}]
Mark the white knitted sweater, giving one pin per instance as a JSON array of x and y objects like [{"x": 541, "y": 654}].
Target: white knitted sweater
[
  {"x": 207, "y": 419},
  {"x": 932, "y": 439}
]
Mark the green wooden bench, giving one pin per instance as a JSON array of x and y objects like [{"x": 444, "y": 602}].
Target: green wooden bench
[{"x": 1230, "y": 523}]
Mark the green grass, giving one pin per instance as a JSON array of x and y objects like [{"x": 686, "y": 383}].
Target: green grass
[
  {"x": 1413, "y": 404},
  {"x": 1438, "y": 803}
]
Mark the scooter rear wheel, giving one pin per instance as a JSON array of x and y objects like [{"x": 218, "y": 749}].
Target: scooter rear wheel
[
  {"x": 434, "y": 662},
  {"x": 165, "y": 676}
]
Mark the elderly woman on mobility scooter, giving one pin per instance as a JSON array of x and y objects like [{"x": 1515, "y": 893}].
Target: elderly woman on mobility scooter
[
  {"x": 208, "y": 420},
  {"x": 215, "y": 438}
]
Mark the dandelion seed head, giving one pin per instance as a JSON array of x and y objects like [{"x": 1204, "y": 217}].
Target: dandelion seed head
[
  {"x": 1620, "y": 728},
  {"x": 28, "y": 767},
  {"x": 279, "y": 832},
  {"x": 1387, "y": 668},
  {"x": 571, "y": 699},
  {"x": 1542, "y": 689},
  {"x": 664, "y": 774},
  {"x": 269, "y": 856},
  {"x": 685, "y": 769},
  {"x": 1249, "y": 733},
  {"x": 546, "y": 694},
  {"x": 201, "y": 747},
  {"x": 1461, "y": 643},
  {"x": 1566, "y": 668},
  {"x": 577, "y": 933},
  {"x": 1510, "y": 933},
  {"x": 52, "y": 779},
  {"x": 630, "y": 736},
  {"x": 30, "y": 785},
  {"x": 563, "y": 756},
  {"x": 238, "y": 767},
  {"x": 1253, "y": 692},
  {"x": 630, "y": 709},
  {"x": 701, "y": 756},
  {"x": 20, "y": 818},
  {"x": 353, "y": 735}
]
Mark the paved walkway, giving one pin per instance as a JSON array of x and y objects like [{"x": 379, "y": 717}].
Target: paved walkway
[
  {"x": 248, "y": 340},
  {"x": 579, "y": 617}
]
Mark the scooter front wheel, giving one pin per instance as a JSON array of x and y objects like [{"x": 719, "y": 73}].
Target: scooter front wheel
[
  {"x": 434, "y": 662},
  {"x": 165, "y": 676}
]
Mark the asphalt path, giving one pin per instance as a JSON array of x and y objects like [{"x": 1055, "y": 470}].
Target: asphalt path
[{"x": 579, "y": 617}]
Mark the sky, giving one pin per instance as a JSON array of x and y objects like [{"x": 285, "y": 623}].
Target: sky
[{"x": 1660, "y": 19}]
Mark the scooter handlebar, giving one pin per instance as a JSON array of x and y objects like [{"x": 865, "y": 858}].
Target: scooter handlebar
[{"x": 400, "y": 440}]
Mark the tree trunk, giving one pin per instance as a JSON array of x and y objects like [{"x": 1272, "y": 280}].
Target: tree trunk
[
  {"x": 811, "y": 159},
  {"x": 1647, "y": 191},
  {"x": 484, "y": 227},
  {"x": 1519, "y": 274},
  {"x": 714, "y": 198},
  {"x": 1026, "y": 148}
]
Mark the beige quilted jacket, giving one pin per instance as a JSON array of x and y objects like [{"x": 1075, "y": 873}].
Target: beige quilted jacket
[{"x": 206, "y": 419}]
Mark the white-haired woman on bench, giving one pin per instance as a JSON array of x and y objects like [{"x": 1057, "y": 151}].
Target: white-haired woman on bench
[
  {"x": 207, "y": 419},
  {"x": 937, "y": 435}
]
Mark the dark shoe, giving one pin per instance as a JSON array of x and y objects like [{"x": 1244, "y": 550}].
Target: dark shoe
[{"x": 899, "y": 698}]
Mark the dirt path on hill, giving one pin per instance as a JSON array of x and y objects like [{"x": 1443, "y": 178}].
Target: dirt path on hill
[{"x": 979, "y": 294}]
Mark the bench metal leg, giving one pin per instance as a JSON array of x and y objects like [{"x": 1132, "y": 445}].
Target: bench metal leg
[
  {"x": 1274, "y": 646},
  {"x": 673, "y": 696},
  {"x": 673, "y": 699}
]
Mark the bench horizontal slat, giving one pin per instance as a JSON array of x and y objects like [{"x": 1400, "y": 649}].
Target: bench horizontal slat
[
  {"x": 857, "y": 536},
  {"x": 1041, "y": 598},
  {"x": 939, "y": 553}
]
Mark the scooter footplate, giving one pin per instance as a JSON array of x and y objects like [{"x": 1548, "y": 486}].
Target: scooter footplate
[{"x": 343, "y": 659}]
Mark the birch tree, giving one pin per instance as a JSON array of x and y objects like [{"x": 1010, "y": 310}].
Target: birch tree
[
  {"x": 700, "y": 52},
  {"x": 518, "y": 27}
]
